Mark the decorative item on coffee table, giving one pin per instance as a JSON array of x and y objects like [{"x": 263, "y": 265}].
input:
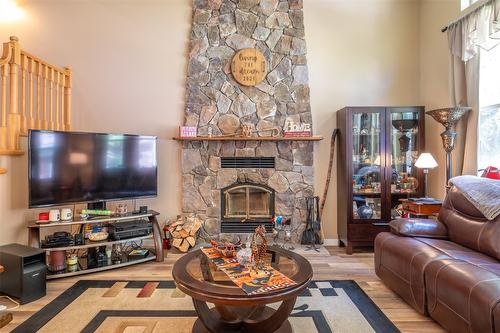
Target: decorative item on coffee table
[
  {"x": 259, "y": 247},
  {"x": 226, "y": 248}
]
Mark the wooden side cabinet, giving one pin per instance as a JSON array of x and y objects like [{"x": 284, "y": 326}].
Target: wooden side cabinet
[
  {"x": 378, "y": 147},
  {"x": 418, "y": 209}
]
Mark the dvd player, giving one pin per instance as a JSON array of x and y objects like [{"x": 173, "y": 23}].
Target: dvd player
[{"x": 130, "y": 229}]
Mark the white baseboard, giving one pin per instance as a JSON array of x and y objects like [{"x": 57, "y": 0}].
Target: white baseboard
[{"x": 331, "y": 242}]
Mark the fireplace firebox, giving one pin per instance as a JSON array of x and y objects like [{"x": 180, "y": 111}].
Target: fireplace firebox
[{"x": 245, "y": 206}]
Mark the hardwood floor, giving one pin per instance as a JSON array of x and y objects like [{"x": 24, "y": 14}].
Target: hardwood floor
[{"x": 332, "y": 264}]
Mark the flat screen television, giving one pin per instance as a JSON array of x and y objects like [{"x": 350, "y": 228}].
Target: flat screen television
[{"x": 74, "y": 167}]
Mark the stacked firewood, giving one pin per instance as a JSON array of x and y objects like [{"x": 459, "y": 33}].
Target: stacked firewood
[{"x": 183, "y": 232}]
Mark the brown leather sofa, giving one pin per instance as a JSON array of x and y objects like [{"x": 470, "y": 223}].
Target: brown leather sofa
[{"x": 448, "y": 269}]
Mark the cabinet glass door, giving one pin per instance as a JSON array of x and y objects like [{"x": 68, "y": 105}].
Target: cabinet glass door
[
  {"x": 404, "y": 140},
  {"x": 366, "y": 165}
]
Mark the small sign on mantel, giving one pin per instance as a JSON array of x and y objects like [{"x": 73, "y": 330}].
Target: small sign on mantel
[
  {"x": 249, "y": 67},
  {"x": 296, "y": 130},
  {"x": 188, "y": 131}
]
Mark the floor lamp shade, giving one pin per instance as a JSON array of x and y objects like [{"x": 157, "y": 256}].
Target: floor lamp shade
[{"x": 448, "y": 117}]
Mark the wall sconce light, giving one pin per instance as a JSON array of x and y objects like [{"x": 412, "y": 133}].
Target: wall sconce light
[{"x": 10, "y": 11}]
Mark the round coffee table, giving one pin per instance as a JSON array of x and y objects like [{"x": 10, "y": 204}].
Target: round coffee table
[{"x": 234, "y": 310}]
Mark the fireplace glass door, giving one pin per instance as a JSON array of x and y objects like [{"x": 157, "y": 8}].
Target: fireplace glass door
[{"x": 248, "y": 202}]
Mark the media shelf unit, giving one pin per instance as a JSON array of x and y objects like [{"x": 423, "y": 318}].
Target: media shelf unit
[{"x": 34, "y": 240}]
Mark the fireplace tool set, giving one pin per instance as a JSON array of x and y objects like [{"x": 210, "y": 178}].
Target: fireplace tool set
[{"x": 311, "y": 235}]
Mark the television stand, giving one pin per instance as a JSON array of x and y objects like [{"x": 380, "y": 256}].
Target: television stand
[{"x": 34, "y": 230}]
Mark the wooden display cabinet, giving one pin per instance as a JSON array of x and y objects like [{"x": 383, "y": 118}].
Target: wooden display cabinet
[{"x": 378, "y": 147}]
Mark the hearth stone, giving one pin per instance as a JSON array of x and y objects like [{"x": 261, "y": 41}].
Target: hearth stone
[{"x": 216, "y": 103}]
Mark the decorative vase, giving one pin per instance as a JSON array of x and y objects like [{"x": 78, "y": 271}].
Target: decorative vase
[
  {"x": 365, "y": 212},
  {"x": 244, "y": 257}
]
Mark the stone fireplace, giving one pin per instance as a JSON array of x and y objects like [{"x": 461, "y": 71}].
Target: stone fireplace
[
  {"x": 245, "y": 206},
  {"x": 217, "y": 104}
]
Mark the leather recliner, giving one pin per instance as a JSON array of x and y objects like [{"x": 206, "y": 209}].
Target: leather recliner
[{"x": 448, "y": 268}]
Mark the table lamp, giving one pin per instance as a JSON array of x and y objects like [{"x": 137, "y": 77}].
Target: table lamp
[{"x": 426, "y": 161}]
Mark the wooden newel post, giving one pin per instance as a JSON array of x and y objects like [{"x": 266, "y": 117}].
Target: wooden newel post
[
  {"x": 67, "y": 99},
  {"x": 14, "y": 118},
  {"x": 31, "y": 70},
  {"x": 44, "y": 94},
  {"x": 22, "y": 97},
  {"x": 39, "y": 110},
  {"x": 51, "y": 99}
]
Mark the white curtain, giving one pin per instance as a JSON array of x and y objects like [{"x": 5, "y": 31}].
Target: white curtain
[{"x": 478, "y": 29}]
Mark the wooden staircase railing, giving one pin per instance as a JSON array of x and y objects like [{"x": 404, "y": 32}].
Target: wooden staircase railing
[{"x": 33, "y": 95}]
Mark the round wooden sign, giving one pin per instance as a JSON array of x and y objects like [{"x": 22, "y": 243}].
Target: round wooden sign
[{"x": 249, "y": 67}]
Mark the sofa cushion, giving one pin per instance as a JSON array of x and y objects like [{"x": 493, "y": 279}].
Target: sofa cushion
[
  {"x": 468, "y": 227},
  {"x": 462, "y": 296},
  {"x": 457, "y": 251},
  {"x": 413, "y": 227},
  {"x": 400, "y": 262}
]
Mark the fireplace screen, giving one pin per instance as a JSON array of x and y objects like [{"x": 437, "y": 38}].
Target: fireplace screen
[{"x": 248, "y": 202}]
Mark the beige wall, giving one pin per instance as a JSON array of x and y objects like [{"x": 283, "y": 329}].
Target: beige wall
[
  {"x": 359, "y": 53},
  {"x": 129, "y": 64},
  {"x": 376, "y": 53},
  {"x": 434, "y": 72}
]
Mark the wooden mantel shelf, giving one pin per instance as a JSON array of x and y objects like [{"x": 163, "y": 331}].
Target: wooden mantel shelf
[
  {"x": 8, "y": 152},
  {"x": 256, "y": 138}
]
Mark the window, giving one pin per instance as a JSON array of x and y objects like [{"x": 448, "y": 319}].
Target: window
[
  {"x": 466, "y": 3},
  {"x": 488, "y": 152}
]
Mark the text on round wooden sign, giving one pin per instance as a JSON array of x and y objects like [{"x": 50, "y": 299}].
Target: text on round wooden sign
[{"x": 249, "y": 67}]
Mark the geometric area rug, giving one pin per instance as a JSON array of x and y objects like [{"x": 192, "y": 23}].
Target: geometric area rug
[{"x": 338, "y": 306}]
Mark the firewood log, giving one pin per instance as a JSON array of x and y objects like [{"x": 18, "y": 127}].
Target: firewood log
[
  {"x": 190, "y": 240},
  {"x": 183, "y": 233},
  {"x": 175, "y": 224},
  {"x": 196, "y": 226},
  {"x": 177, "y": 242},
  {"x": 184, "y": 247}
]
